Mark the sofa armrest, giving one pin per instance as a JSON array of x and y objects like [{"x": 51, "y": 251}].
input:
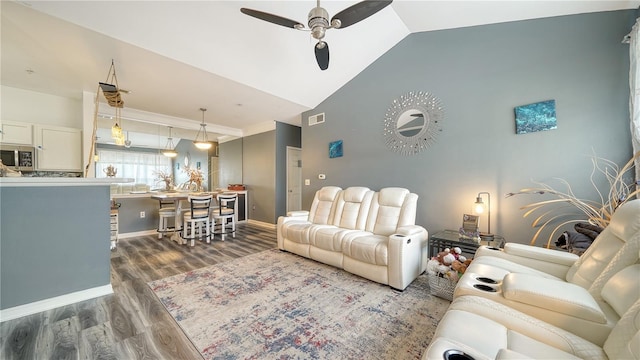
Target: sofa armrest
[
  {"x": 550, "y": 261},
  {"x": 298, "y": 214},
  {"x": 553, "y": 295},
  {"x": 282, "y": 220},
  {"x": 418, "y": 233},
  {"x": 404, "y": 259},
  {"x": 542, "y": 254},
  {"x": 507, "y": 354}
]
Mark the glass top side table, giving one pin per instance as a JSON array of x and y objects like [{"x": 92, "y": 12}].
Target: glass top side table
[{"x": 451, "y": 238}]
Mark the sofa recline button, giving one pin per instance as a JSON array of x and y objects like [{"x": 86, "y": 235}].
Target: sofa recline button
[{"x": 453, "y": 354}]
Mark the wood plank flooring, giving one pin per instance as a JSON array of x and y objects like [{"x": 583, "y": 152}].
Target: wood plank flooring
[{"x": 131, "y": 323}]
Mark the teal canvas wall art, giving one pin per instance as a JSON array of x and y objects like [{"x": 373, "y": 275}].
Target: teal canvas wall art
[
  {"x": 335, "y": 149},
  {"x": 540, "y": 116}
]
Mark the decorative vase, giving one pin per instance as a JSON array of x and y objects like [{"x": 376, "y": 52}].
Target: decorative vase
[{"x": 110, "y": 171}]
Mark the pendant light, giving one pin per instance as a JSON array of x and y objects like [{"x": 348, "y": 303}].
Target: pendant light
[
  {"x": 127, "y": 143},
  {"x": 96, "y": 156},
  {"x": 116, "y": 130},
  {"x": 168, "y": 150},
  {"x": 203, "y": 144}
]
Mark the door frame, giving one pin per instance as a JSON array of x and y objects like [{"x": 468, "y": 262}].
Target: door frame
[{"x": 299, "y": 150}]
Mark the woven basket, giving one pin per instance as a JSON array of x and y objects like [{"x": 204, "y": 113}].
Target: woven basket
[{"x": 441, "y": 287}]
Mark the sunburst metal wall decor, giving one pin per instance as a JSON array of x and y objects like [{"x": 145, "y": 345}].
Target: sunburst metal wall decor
[{"x": 412, "y": 122}]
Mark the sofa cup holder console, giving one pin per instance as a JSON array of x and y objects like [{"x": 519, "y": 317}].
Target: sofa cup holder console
[
  {"x": 486, "y": 280},
  {"x": 408, "y": 239},
  {"x": 484, "y": 287},
  {"x": 453, "y": 354}
]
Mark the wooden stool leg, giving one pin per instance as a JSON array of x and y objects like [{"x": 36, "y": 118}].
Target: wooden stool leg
[{"x": 233, "y": 227}]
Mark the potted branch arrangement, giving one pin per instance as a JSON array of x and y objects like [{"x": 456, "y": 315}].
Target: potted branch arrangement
[
  {"x": 598, "y": 213},
  {"x": 165, "y": 177}
]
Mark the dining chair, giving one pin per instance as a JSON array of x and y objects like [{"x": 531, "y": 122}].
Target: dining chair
[
  {"x": 198, "y": 214},
  {"x": 226, "y": 212},
  {"x": 166, "y": 212}
]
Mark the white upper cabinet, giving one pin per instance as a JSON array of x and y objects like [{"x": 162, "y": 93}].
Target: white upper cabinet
[
  {"x": 58, "y": 148},
  {"x": 12, "y": 132}
]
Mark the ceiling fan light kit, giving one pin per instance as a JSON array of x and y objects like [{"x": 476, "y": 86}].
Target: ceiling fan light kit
[
  {"x": 203, "y": 144},
  {"x": 318, "y": 23}
]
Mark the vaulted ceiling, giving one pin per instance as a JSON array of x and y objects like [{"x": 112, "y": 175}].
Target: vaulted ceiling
[{"x": 179, "y": 56}]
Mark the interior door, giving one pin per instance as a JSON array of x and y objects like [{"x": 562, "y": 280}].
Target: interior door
[{"x": 294, "y": 178}]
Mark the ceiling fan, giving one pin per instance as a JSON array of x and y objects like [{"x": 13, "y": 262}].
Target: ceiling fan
[{"x": 319, "y": 22}]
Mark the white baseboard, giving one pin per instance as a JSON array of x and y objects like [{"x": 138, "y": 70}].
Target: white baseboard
[
  {"x": 263, "y": 224},
  {"x": 137, "y": 233},
  {"x": 54, "y": 302}
]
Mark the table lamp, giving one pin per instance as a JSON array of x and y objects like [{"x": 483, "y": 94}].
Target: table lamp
[{"x": 479, "y": 208}]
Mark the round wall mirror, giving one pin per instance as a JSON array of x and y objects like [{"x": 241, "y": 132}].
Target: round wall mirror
[{"x": 412, "y": 122}]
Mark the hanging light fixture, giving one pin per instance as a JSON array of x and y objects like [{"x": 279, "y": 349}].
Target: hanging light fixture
[
  {"x": 116, "y": 130},
  {"x": 168, "y": 150},
  {"x": 96, "y": 156},
  {"x": 203, "y": 144},
  {"x": 127, "y": 143}
]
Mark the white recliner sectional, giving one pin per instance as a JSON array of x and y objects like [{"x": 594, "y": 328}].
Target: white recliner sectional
[
  {"x": 529, "y": 302},
  {"x": 368, "y": 233}
]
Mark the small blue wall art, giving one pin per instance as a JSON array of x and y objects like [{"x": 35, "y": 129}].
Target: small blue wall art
[
  {"x": 335, "y": 149},
  {"x": 536, "y": 117}
]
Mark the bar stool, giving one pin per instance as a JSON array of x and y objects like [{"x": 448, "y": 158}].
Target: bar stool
[
  {"x": 167, "y": 211},
  {"x": 198, "y": 214},
  {"x": 227, "y": 208}
]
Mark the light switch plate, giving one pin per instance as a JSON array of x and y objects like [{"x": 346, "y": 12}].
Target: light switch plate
[{"x": 307, "y": 181}]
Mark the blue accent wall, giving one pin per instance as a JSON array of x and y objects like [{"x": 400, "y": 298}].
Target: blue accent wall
[
  {"x": 53, "y": 241},
  {"x": 481, "y": 74}
]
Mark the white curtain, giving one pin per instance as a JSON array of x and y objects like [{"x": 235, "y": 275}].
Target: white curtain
[
  {"x": 634, "y": 90},
  {"x": 140, "y": 166}
]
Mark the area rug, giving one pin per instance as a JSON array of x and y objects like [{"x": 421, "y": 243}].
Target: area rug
[{"x": 279, "y": 305}]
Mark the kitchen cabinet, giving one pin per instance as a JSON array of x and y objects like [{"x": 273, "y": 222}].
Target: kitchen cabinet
[
  {"x": 12, "y": 132},
  {"x": 58, "y": 148}
]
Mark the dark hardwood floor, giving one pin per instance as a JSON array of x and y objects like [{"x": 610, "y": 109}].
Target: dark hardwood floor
[{"x": 131, "y": 323}]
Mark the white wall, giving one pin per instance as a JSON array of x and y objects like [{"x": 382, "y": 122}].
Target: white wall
[{"x": 39, "y": 108}]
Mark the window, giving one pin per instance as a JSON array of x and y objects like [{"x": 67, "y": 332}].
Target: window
[{"x": 138, "y": 165}]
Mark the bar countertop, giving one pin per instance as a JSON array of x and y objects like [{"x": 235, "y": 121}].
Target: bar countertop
[{"x": 59, "y": 181}]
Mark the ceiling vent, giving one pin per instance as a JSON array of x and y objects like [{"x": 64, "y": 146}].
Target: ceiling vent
[{"x": 316, "y": 119}]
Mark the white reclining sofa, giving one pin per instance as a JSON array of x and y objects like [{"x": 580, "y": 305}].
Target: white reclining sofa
[
  {"x": 529, "y": 302},
  {"x": 529, "y": 278},
  {"x": 367, "y": 233}
]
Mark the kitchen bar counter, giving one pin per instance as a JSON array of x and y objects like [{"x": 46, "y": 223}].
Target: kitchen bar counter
[
  {"x": 58, "y": 181},
  {"x": 55, "y": 243},
  {"x": 132, "y": 205}
]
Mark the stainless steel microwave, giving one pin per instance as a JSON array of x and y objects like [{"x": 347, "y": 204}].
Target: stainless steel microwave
[{"x": 18, "y": 157}]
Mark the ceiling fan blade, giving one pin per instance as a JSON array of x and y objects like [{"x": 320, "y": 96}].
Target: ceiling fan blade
[
  {"x": 275, "y": 19},
  {"x": 322, "y": 54},
  {"x": 359, "y": 12}
]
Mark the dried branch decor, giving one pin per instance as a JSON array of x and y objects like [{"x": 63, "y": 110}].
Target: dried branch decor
[
  {"x": 621, "y": 190},
  {"x": 164, "y": 176}
]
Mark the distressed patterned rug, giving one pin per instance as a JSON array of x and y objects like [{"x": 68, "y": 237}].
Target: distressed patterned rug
[{"x": 278, "y": 305}]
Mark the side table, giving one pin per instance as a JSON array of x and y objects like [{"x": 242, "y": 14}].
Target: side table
[{"x": 451, "y": 238}]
